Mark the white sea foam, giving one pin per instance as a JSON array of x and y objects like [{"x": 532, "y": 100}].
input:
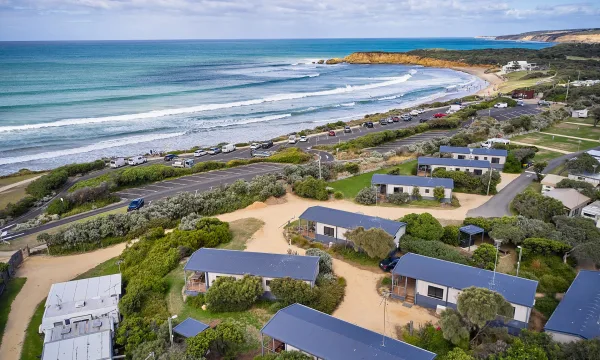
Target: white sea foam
[
  {"x": 349, "y": 104},
  {"x": 313, "y": 75},
  {"x": 390, "y": 97},
  {"x": 233, "y": 122},
  {"x": 93, "y": 147}
]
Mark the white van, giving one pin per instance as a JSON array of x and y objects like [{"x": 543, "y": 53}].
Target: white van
[
  {"x": 228, "y": 148},
  {"x": 490, "y": 142},
  {"x": 136, "y": 160},
  {"x": 454, "y": 108},
  {"x": 183, "y": 163},
  {"x": 500, "y": 105},
  {"x": 117, "y": 163},
  {"x": 292, "y": 139}
]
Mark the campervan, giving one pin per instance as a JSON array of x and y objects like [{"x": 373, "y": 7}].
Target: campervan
[
  {"x": 490, "y": 142},
  {"x": 117, "y": 163},
  {"x": 228, "y": 148}
]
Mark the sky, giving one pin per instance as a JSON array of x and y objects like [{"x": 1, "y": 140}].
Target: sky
[{"x": 266, "y": 19}]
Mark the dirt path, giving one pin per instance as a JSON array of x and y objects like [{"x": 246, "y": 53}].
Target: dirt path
[
  {"x": 576, "y": 123},
  {"x": 41, "y": 272},
  {"x": 570, "y": 137},
  {"x": 24, "y": 182},
  {"x": 542, "y": 147}
]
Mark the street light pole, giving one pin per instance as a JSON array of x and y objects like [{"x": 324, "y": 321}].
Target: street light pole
[
  {"x": 489, "y": 180},
  {"x": 171, "y": 328},
  {"x": 519, "y": 261}
]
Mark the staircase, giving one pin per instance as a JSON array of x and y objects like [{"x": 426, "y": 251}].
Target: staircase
[{"x": 410, "y": 299}]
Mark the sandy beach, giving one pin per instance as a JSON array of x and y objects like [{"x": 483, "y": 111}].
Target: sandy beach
[{"x": 492, "y": 79}]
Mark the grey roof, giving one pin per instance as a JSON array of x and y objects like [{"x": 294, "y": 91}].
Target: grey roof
[
  {"x": 96, "y": 346},
  {"x": 412, "y": 181},
  {"x": 476, "y": 151},
  {"x": 570, "y": 198},
  {"x": 471, "y": 229},
  {"x": 350, "y": 220},
  {"x": 514, "y": 289},
  {"x": 85, "y": 289},
  {"x": 190, "y": 328},
  {"x": 329, "y": 338},
  {"x": 453, "y": 162},
  {"x": 253, "y": 263},
  {"x": 578, "y": 312}
]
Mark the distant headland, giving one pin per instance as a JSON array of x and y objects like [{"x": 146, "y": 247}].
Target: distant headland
[{"x": 587, "y": 36}]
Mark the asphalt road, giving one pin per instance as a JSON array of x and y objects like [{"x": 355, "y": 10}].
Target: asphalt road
[
  {"x": 499, "y": 205},
  {"x": 503, "y": 114},
  {"x": 192, "y": 183}
]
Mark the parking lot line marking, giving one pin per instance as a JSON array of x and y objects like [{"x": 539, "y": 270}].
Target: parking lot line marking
[
  {"x": 185, "y": 179},
  {"x": 159, "y": 186},
  {"x": 128, "y": 194}
]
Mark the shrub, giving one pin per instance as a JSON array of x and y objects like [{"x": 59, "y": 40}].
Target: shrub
[
  {"x": 229, "y": 294},
  {"x": 450, "y": 236},
  {"x": 546, "y": 305},
  {"x": 398, "y": 198},
  {"x": 325, "y": 260},
  {"x": 469, "y": 182},
  {"x": 338, "y": 195},
  {"x": 553, "y": 284},
  {"x": 289, "y": 291},
  {"x": 537, "y": 206},
  {"x": 539, "y": 246},
  {"x": 329, "y": 294},
  {"x": 19, "y": 208},
  {"x": 512, "y": 164},
  {"x": 435, "y": 249},
  {"x": 423, "y": 226},
  {"x": 485, "y": 256},
  {"x": 352, "y": 168},
  {"x": 366, "y": 196},
  {"x": 45, "y": 185},
  {"x": 376, "y": 242},
  {"x": 416, "y": 193},
  {"x": 195, "y": 301},
  {"x": 311, "y": 188},
  {"x": 439, "y": 193}
]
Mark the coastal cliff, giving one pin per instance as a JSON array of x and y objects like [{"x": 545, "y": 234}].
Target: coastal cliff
[
  {"x": 587, "y": 36},
  {"x": 397, "y": 58}
]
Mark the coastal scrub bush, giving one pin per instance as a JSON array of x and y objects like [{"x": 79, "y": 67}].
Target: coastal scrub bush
[
  {"x": 338, "y": 195},
  {"x": 540, "y": 246},
  {"x": 325, "y": 260},
  {"x": 228, "y": 294},
  {"x": 311, "y": 188},
  {"x": 423, "y": 226},
  {"x": 19, "y": 208},
  {"x": 546, "y": 305},
  {"x": 512, "y": 164},
  {"x": 450, "y": 236},
  {"x": 469, "y": 182},
  {"x": 54, "y": 180},
  {"x": 366, "y": 196},
  {"x": 435, "y": 249},
  {"x": 484, "y": 256},
  {"x": 375, "y": 242},
  {"x": 533, "y": 205},
  {"x": 352, "y": 168},
  {"x": 439, "y": 193},
  {"x": 398, "y": 198},
  {"x": 289, "y": 291},
  {"x": 88, "y": 195}
]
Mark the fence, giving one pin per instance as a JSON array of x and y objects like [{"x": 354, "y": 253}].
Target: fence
[{"x": 13, "y": 263}]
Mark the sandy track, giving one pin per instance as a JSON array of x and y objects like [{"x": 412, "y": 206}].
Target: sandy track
[
  {"x": 20, "y": 183},
  {"x": 41, "y": 272}
]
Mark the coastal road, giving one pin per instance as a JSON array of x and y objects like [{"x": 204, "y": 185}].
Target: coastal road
[
  {"x": 191, "y": 183},
  {"x": 499, "y": 205}
]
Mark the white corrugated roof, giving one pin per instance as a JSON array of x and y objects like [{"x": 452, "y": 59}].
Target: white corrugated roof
[
  {"x": 97, "y": 346},
  {"x": 85, "y": 289}
]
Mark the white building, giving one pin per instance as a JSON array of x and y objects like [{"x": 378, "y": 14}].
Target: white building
[
  {"x": 512, "y": 66},
  {"x": 593, "y": 179},
  {"x": 427, "y": 165},
  {"x": 550, "y": 181},
  {"x": 82, "y": 300},
  {"x": 592, "y": 211},
  {"x": 94, "y": 346},
  {"x": 497, "y": 157},
  {"x": 579, "y": 113},
  {"x": 397, "y": 184},
  {"x": 572, "y": 200},
  {"x": 206, "y": 265}
]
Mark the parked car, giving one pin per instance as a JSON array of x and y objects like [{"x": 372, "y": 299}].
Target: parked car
[
  {"x": 395, "y": 119},
  {"x": 117, "y": 163},
  {"x": 228, "y": 148},
  {"x": 261, "y": 153},
  {"x": 136, "y": 160},
  {"x": 135, "y": 204},
  {"x": 544, "y": 103},
  {"x": 422, "y": 120},
  {"x": 255, "y": 146},
  {"x": 183, "y": 163},
  {"x": 421, "y": 110},
  {"x": 500, "y": 105},
  {"x": 347, "y": 129},
  {"x": 303, "y": 138},
  {"x": 214, "y": 151},
  {"x": 368, "y": 124},
  {"x": 520, "y": 103},
  {"x": 292, "y": 139},
  {"x": 390, "y": 120},
  {"x": 388, "y": 263},
  {"x": 200, "y": 152},
  {"x": 383, "y": 122},
  {"x": 406, "y": 117},
  {"x": 331, "y": 133},
  {"x": 170, "y": 157},
  {"x": 267, "y": 144},
  {"x": 439, "y": 115},
  {"x": 415, "y": 112}
]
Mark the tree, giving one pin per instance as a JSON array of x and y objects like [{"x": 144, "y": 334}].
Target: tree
[
  {"x": 366, "y": 196},
  {"x": 423, "y": 226},
  {"x": 581, "y": 350},
  {"x": 539, "y": 168},
  {"x": 438, "y": 193},
  {"x": 512, "y": 164},
  {"x": 198, "y": 346},
  {"x": 458, "y": 354},
  {"x": 416, "y": 193},
  {"x": 228, "y": 294},
  {"x": 453, "y": 327},
  {"x": 230, "y": 338},
  {"x": 518, "y": 351},
  {"x": 508, "y": 233},
  {"x": 325, "y": 260},
  {"x": 375, "y": 242},
  {"x": 485, "y": 256},
  {"x": 537, "y": 206},
  {"x": 595, "y": 113},
  {"x": 582, "y": 234},
  {"x": 290, "y": 291},
  {"x": 450, "y": 236},
  {"x": 583, "y": 163}
]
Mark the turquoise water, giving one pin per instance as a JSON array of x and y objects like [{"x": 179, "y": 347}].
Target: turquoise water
[{"x": 64, "y": 102}]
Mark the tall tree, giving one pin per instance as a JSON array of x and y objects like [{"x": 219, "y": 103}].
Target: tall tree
[
  {"x": 375, "y": 242},
  {"x": 539, "y": 168}
]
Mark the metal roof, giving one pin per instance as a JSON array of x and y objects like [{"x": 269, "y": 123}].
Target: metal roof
[
  {"x": 476, "y": 151},
  {"x": 514, "y": 289},
  {"x": 85, "y": 289},
  {"x": 330, "y": 338},
  {"x": 570, "y": 198},
  {"x": 412, "y": 181},
  {"x": 471, "y": 229},
  {"x": 190, "y": 328},
  {"x": 593, "y": 208},
  {"x": 350, "y": 220},
  {"x": 96, "y": 346},
  {"x": 552, "y": 180},
  {"x": 453, "y": 162},
  {"x": 253, "y": 263},
  {"x": 578, "y": 313}
]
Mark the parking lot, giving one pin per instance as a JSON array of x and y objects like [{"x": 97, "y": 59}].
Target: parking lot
[
  {"x": 504, "y": 114},
  {"x": 199, "y": 182},
  {"x": 410, "y": 140}
]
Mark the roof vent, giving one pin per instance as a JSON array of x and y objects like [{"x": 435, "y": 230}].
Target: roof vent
[
  {"x": 97, "y": 323},
  {"x": 79, "y": 304}
]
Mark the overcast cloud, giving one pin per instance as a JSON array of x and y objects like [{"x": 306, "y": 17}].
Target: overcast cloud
[{"x": 222, "y": 19}]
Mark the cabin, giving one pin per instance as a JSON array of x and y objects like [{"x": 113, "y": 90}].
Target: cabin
[
  {"x": 576, "y": 316},
  {"x": 518, "y": 66},
  {"x": 497, "y": 157},
  {"x": 427, "y": 165},
  {"x": 435, "y": 283},
  {"x": 326, "y": 225},
  {"x": 592, "y": 178},
  {"x": 82, "y": 300},
  {"x": 206, "y": 265},
  {"x": 592, "y": 211},
  {"x": 579, "y": 113},
  {"x": 397, "y": 184},
  {"x": 550, "y": 181},
  {"x": 88, "y": 346},
  {"x": 322, "y": 336},
  {"x": 572, "y": 200}
]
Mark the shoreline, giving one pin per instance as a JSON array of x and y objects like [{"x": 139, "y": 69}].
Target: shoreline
[{"x": 492, "y": 79}]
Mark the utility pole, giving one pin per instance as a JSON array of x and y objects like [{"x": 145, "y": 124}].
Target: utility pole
[
  {"x": 171, "y": 328},
  {"x": 489, "y": 180},
  {"x": 519, "y": 261},
  {"x": 320, "y": 177},
  {"x": 497, "y": 245},
  {"x": 568, "y": 84},
  {"x": 384, "y": 298}
]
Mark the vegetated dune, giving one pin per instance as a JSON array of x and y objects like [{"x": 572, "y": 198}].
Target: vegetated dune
[
  {"x": 398, "y": 58},
  {"x": 589, "y": 36}
]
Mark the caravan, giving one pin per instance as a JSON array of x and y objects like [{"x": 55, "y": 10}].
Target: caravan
[
  {"x": 117, "y": 163},
  {"x": 489, "y": 143},
  {"x": 228, "y": 148}
]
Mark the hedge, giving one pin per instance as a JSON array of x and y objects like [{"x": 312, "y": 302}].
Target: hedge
[
  {"x": 311, "y": 188},
  {"x": 229, "y": 294},
  {"x": 435, "y": 249}
]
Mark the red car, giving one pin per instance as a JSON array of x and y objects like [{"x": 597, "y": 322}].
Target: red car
[
  {"x": 331, "y": 133},
  {"x": 395, "y": 119},
  {"x": 439, "y": 115}
]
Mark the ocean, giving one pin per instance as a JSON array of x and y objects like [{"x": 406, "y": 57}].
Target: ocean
[{"x": 66, "y": 102}]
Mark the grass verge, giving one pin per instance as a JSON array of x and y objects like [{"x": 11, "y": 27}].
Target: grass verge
[
  {"x": 34, "y": 341},
  {"x": 586, "y": 132},
  {"x": 10, "y": 293},
  {"x": 242, "y": 230},
  {"x": 555, "y": 142},
  {"x": 545, "y": 155}
]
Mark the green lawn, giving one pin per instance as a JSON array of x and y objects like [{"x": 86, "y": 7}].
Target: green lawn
[
  {"x": 109, "y": 267},
  {"x": 34, "y": 342},
  {"x": 15, "y": 179},
  {"x": 242, "y": 230},
  {"x": 12, "y": 196},
  {"x": 555, "y": 142},
  {"x": 8, "y": 296},
  {"x": 545, "y": 155},
  {"x": 588, "y": 120},
  {"x": 586, "y": 132},
  {"x": 352, "y": 185}
]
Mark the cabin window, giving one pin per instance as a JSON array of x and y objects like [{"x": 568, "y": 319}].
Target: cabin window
[
  {"x": 398, "y": 189},
  {"x": 477, "y": 172},
  {"x": 268, "y": 282},
  {"x": 462, "y": 157},
  {"x": 485, "y": 158},
  {"x": 329, "y": 231},
  {"x": 495, "y": 160},
  {"x": 476, "y": 157},
  {"x": 426, "y": 191},
  {"x": 435, "y": 292},
  {"x": 457, "y": 169},
  {"x": 514, "y": 309}
]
